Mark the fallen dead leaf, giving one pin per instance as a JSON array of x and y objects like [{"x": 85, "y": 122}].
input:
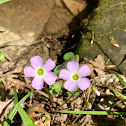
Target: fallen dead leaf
[
  {"x": 10, "y": 79},
  {"x": 92, "y": 70},
  {"x": 5, "y": 108},
  {"x": 40, "y": 123},
  {"x": 76, "y": 102},
  {"x": 99, "y": 64}
]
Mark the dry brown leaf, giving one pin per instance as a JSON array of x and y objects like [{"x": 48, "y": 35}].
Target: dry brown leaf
[
  {"x": 7, "y": 66},
  {"x": 9, "y": 79},
  {"x": 40, "y": 123},
  {"x": 99, "y": 64},
  {"x": 63, "y": 118},
  {"x": 92, "y": 70},
  {"x": 76, "y": 102},
  {"x": 5, "y": 108}
]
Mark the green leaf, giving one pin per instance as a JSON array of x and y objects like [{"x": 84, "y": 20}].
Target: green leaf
[
  {"x": 3, "y": 1},
  {"x": 25, "y": 117},
  {"x": 94, "y": 112},
  {"x": 76, "y": 94},
  {"x": 68, "y": 55},
  {"x": 47, "y": 116},
  {"x": 14, "y": 111},
  {"x": 61, "y": 66},
  {"x": 121, "y": 80},
  {"x": 51, "y": 92},
  {"x": 123, "y": 96},
  {"x": 58, "y": 87},
  {"x": 52, "y": 87},
  {"x": 15, "y": 96},
  {"x": 2, "y": 55},
  {"x": 56, "y": 70},
  {"x": 43, "y": 118}
]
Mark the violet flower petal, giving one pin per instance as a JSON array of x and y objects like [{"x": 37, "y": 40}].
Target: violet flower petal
[
  {"x": 64, "y": 74},
  {"x": 73, "y": 66},
  {"x": 37, "y": 83},
  {"x": 70, "y": 85},
  {"x": 84, "y": 70},
  {"x": 50, "y": 78},
  {"x": 36, "y": 62},
  {"x": 49, "y": 65},
  {"x": 83, "y": 83},
  {"x": 29, "y": 71}
]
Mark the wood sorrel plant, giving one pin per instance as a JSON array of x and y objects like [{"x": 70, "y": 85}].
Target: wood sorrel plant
[
  {"x": 69, "y": 71},
  {"x": 74, "y": 76}
]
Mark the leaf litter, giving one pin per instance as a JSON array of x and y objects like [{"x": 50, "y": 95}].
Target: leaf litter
[{"x": 12, "y": 75}]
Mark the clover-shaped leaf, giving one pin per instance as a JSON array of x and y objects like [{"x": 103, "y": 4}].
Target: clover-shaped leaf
[{"x": 68, "y": 55}]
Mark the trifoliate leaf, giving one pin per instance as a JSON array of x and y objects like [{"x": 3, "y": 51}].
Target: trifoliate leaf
[{"x": 68, "y": 55}]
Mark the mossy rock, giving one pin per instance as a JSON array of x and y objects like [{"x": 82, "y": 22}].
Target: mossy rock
[{"x": 108, "y": 21}]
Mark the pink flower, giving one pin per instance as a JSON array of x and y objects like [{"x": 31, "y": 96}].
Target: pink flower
[
  {"x": 40, "y": 72},
  {"x": 75, "y": 76}
]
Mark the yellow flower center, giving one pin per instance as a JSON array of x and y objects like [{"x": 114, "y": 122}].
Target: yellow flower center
[
  {"x": 75, "y": 77},
  {"x": 40, "y": 71}
]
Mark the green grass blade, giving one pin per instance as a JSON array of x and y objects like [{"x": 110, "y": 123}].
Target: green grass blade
[
  {"x": 3, "y": 1},
  {"x": 25, "y": 117},
  {"x": 120, "y": 101},
  {"x": 14, "y": 111},
  {"x": 94, "y": 112},
  {"x": 121, "y": 80},
  {"x": 123, "y": 96},
  {"x": 15, "y": 96}
]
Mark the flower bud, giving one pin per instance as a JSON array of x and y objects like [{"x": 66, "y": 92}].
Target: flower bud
[
  {"x": 96, "y": 91},
  {"x": 88, "y": 105}
]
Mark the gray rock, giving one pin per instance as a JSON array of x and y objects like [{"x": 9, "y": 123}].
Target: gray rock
[{"x": 106, "y": 24}]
